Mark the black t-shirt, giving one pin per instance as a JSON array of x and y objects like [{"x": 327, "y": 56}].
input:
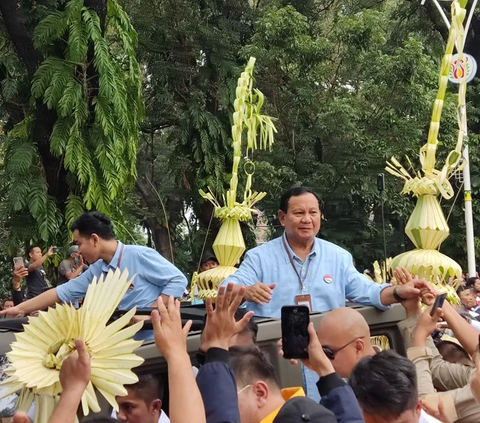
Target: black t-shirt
[{"x": 36, "y": 282}]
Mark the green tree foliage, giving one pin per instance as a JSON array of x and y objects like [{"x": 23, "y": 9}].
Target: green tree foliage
[
  {"x": 83, "y": 94},
  {"x": 352, "y": 83},
  {"x": 191, "y": 52}
]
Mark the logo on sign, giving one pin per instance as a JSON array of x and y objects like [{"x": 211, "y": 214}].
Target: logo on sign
[
  {"x": 462, "y": 70},
  {"x": 327, "y": 278}
]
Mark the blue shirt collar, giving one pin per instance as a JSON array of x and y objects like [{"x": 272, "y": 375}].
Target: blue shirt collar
[
  {"x": 315, "y": 249},
  {"x": 114, "y": 263}
]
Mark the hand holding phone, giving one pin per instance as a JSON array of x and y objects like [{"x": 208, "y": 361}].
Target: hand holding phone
[
  {"x": 440, "y": 298},
  {"x": 18, "y": 263},
  {"x": 295, "y": 338}
]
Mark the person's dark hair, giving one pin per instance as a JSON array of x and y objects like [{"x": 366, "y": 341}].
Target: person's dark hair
[
  {"x": 471, "y": 282},
  {"x": 295, "y": 192},
  {"x": 249, "y": 364},
  {"x": 30, "y": 249},
  {"x": 94, "y": 223},
  {"x": 100, "y": 419},
  {"x": 251, "y": 328},
  {"x": 149, "y": 388},
  {"x": 453, "y": 353},
  {"x": 462, "y": 288},
  {"x": 385, "y": 384}
]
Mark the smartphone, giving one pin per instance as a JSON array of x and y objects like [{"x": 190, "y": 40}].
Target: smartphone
[
  {"x": 295, "y": 339},
  {"x": 438, "y": 303},
  {"x": 18, "y": 262},
  {"x": 478, "y": 346}
]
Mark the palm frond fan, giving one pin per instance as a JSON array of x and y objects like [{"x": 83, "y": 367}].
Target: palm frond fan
[
  {"x": 38, "y": 353},
  {"x": 229, "y": 244}
]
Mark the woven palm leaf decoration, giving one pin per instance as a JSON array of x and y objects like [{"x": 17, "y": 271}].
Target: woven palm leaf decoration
[
  {"x": 427, "y": 226},
  {"x": 257, "y": 131},
  {"x": 38, "y": 353}
]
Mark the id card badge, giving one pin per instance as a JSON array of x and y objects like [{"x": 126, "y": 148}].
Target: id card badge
[{"x": 305, "y": 300}]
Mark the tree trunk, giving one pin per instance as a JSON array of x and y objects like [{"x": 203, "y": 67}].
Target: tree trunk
[
  {"x": 159, "y": 232},
  {"x": 14, "y": 19}
]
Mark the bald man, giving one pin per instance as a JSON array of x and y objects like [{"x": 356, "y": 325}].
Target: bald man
[{"x": 345, "y": 332}]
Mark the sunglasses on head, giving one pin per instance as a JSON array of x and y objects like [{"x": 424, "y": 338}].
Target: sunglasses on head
[{"x": 331, "y": 353}]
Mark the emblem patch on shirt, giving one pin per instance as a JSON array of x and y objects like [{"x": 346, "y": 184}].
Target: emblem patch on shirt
[{"x": 327, "y": 278}]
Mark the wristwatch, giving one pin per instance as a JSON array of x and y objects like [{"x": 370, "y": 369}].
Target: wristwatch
[{"x": 396, "y": 296}]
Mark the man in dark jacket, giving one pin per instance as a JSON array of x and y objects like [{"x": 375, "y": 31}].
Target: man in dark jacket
[{"x": 251, "y": 392}]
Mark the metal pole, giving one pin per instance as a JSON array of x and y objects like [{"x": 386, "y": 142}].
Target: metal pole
[
  {"x": 466, "y": 177},
  {"x": 381, "y": 188},
  {"x": 384, "y": 235},
  {"x": 469, "y": 214}
]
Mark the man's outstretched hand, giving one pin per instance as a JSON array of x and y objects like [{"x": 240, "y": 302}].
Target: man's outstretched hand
[
  {"x": 12, "y": 312},
  {"x": 221, "y": 324},
  {"x": 413, "y": 290},
  {"x": 259, "y": 293}
]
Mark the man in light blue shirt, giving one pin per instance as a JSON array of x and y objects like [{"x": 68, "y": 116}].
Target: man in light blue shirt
[
  {"x": 93, "y": 233},
  {"x": 299, "y": 268}
]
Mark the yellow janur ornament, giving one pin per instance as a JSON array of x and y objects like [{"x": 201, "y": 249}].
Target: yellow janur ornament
[
  {"x": 229, "y": 244},
  {"x": 427, "y": 227},
  {"x": 38, "y": 353}
]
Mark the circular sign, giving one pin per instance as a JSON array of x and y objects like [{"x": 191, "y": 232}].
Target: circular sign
[{"x": 462, "y": 70}]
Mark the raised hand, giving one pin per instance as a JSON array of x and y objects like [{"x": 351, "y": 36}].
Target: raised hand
[
  {"x": 221, "y": 324},
  {"x": 170, "y": 337},
  {"x": 426, "y": 325}
]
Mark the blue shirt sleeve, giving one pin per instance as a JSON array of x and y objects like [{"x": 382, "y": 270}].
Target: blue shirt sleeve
[
  {"x": 76, "y": 288},
  {"x": 360, "y": 289},
  {"x": 249, "y": 272},
  {"x": 159, "y": 271}
]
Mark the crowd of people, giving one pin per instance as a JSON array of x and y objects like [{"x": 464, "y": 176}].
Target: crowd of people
[
  {"x": 346, "y": 378},
  {"x": 236, "y": 382}
]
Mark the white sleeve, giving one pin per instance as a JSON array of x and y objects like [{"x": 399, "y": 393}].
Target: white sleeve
[{"x": 476, "y": 324}]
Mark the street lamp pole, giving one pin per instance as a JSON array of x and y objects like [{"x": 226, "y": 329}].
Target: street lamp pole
[{"x": 468, "y": 214}]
